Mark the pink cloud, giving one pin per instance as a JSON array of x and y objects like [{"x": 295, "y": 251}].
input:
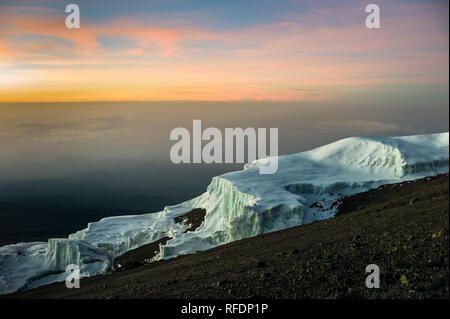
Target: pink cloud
[{"x": 323, "y": 50}]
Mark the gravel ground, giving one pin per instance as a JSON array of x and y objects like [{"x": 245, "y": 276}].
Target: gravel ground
[{"x": 402, "y": 228}]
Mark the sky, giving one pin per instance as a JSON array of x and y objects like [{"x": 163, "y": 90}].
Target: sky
[
  {"x": 86, "y": 114},
  {"x": 231, "y": 50}
]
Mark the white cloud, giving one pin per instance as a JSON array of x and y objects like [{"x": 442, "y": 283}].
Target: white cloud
[{"x": 361, "y": 126}]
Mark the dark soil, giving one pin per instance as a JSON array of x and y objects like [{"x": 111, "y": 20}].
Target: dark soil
[
  {"x": 140, "y": 256},
  {"x": 194, "y": 218},
  {"x": 402, "y": 228}
]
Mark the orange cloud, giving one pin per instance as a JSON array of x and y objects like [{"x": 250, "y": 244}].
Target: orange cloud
[{"x": 263, "y": 62}]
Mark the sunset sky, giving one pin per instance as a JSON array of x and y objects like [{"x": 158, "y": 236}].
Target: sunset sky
[
  {"x": 221, "y": 50},
  {"x": 86, "y": 114}
]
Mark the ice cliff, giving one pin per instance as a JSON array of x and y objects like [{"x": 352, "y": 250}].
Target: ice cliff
[{"x": 238, "y": 204}]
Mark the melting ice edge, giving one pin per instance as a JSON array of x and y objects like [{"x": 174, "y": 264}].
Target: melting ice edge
[{"x": 239, "y": 204}]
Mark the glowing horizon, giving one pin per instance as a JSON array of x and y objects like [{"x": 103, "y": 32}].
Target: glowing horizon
[{"x": 141, "y": 52}]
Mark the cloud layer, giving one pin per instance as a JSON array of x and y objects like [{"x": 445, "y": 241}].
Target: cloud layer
[{"x": 314, "y": 54}]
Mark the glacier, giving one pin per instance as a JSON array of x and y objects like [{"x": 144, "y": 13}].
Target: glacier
[{"x": 238, "y": 205}]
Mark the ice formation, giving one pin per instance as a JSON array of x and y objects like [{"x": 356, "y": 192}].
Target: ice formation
[{"x": 239, "y": 204}]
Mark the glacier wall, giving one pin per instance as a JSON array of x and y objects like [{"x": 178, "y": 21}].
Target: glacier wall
[
  {"x": 238, "y": 205},
  {"x": 231, "y": 215}
]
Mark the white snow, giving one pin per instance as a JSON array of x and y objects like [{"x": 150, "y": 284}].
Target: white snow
[{"x": 239, "y": 205}]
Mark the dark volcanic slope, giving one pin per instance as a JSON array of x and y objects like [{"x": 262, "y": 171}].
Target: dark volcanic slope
[
  {"x": 139, "y": 256},
  {"x": 403, "y": 228}
]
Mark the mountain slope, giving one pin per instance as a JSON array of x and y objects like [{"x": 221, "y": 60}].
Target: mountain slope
[
  {"x": 403, "y": 228},
  {"x": 238, "y": 205}
]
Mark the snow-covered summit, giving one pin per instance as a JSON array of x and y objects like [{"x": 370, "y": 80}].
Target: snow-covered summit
[{"x": 238, "y": 204}]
